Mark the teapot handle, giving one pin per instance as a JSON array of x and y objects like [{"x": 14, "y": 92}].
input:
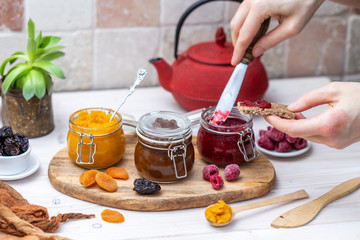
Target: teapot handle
[{"x": 185, "y": 15}]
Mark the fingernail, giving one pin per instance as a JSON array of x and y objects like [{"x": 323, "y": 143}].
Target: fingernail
[
  {"x": 233, "y": 60},
  {"x": 258, "y": 51}
]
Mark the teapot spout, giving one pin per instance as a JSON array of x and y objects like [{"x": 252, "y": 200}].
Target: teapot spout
[{"x": 164, "y": 71}]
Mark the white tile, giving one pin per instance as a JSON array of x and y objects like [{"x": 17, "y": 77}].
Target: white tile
[
  {"x": 120, "y": 53},
  {"x": 77, "y": 63},
  {"x": 60, "y": 14},
  {"x": 172, "y": 10},
  {"x": 11, "y": 43}
]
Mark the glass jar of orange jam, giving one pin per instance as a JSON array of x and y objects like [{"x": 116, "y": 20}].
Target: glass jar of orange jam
[
  {"x": 164, "y": 152},
  {"x": 93, "y": 141}
]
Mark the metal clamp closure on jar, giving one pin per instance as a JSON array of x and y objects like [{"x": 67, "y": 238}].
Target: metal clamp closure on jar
[
  {"x": 249, "y": 133},
  {"x": 92, "y": 144},
  {"x": 173, "y": 152}
]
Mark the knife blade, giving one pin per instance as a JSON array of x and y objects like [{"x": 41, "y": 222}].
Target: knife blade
[
  {"x": 229, "y": 95},
  {"x": 305, "y": 213}
]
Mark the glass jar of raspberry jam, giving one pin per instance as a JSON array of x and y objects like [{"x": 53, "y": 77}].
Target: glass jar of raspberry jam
[
  {"x": 164, "y": 152},
  {"x": 92, "y": 141},
  {"x": 229, "y": 142}
]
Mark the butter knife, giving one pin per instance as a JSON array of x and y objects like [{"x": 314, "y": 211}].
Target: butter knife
[
  {"x": 305, "y": 213},
  {"x": 233, "y": 86}
]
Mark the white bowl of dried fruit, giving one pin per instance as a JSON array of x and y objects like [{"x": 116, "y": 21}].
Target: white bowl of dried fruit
[{"x": 15, "y": 152}]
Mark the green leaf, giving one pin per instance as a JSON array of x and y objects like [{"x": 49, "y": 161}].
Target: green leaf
[
  {"x": 28, "y": 90},
  {"x": 31, "y": 29},
  {"x": 50, "y": 68},
  {"x": 49, "y": 41},
  {"x": 39, "y": 39},
  {"x": 38, "y": 83},
  {"x": 9, "y": 59},
  {"x": 51, "y": 56},
  {"x": 20, "y": 54},
  {"x": 31, "y": 49},
  {"x": 48, "y": 83},
  {"x": 19, "y": 83},
  {"x": 16, "y": 72},
  {"x": 42, "y": 51}
]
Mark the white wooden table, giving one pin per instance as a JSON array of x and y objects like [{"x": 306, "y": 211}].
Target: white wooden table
[{"x": 317, "y": 172}]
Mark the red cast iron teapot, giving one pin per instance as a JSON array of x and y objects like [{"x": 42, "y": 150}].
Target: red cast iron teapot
[{"x": 198, "y": 76}]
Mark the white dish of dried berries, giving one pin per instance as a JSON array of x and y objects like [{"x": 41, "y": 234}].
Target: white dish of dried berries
[{"x": 278, "y": 144}]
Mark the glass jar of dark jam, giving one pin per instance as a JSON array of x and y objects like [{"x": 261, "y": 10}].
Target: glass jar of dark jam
[
  {"x": 229, "y": 142},
  {"x": 164, "y": 152}
]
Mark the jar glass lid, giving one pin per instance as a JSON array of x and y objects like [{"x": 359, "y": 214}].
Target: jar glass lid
[{"x": 164, "y": 124}]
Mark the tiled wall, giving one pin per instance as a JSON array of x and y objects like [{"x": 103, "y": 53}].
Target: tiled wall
[{"x": 108, "y": 40}]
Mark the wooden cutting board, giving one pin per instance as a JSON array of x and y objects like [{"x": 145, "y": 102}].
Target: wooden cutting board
[{"x": 256, "y": 179}]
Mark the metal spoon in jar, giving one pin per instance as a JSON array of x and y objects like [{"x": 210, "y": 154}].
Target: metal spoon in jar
[
  {"x": 142, "y": 72},
  {"x": 262, "y": 203}
]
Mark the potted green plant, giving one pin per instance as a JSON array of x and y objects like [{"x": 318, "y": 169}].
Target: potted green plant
[{"x": 27, "y": 86}]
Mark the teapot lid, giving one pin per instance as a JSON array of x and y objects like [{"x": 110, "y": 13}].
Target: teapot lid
[{"x": 218, "y": 52}]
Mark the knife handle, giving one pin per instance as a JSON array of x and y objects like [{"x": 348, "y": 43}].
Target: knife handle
[
  {"x": 339, "y": 191},
  {"x": 248, "y": 57}
]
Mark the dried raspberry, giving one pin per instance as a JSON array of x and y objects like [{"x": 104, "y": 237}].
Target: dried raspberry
[
  {"x": 269, "y": 128},
  {"x": 290, "y": 139},
  {"x": 216, "y": 181},
  {"x": 266, "y": 142},
  {"x": 276, "y": 135},
  {"x": 283, "y": 146},
  {"x": 231, "y": 172},
  {"x": 210, "y": 170},
  {"x": 262, "y": 132},
  {"x": 300, "y": 143}
]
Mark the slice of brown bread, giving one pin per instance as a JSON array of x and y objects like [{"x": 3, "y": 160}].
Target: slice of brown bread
[{"x": 276, "y": 109}]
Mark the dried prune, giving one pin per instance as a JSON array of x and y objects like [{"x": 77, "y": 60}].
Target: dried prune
[
  {"x": 144, "y": 186},
  {"x": 22, "y": 141},
  {"x": 12, "y": 144},
  {"x": 5, "y": 132},
  {"x": 10, "y": 147}
]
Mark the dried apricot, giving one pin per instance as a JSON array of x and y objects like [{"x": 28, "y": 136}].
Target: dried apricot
[
  {"x": 106, "y": 182},
  {"x": 112, "y": 216},
  {"x": 81, "y": 178},
  {"x": 88, "y": 178},
  {"x": 117, "y": 172}
]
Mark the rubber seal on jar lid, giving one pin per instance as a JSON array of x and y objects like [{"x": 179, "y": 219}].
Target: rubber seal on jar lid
[{"x": 164, "y": 125}]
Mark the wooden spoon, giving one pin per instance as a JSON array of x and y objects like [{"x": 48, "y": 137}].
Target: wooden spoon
[
  {"x": 305, "y": 213},
  {"x": 262, "y": 203}
]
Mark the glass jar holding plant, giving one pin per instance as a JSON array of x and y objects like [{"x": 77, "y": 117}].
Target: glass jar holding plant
[{"x": 26, "y": 87}]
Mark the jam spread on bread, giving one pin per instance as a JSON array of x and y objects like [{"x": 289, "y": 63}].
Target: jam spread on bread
[{"x": 257, "y": 103}]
